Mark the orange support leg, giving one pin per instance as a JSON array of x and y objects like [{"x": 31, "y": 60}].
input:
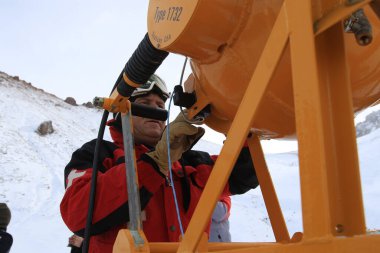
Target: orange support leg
[{"x": 280, "y": 230}]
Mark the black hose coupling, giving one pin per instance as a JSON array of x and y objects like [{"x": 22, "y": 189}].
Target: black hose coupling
[
  {"x": 359, "y": 25},
  {"x": 183, "y": 99}
]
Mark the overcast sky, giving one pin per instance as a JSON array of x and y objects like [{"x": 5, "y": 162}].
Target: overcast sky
[
  {"x": 77, "y": 48},
  {"x": 74, "y": 47}
]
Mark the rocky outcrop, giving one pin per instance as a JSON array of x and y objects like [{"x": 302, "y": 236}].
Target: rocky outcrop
[
  {"x": 71, "y": 101},
  {"x": 45, "y": 128}
]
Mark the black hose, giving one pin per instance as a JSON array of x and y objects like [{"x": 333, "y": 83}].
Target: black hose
[
  {"x": 94, "y": 176},
  {"x": 87, "y": 231},
  {"x": 142, "y": 64}
]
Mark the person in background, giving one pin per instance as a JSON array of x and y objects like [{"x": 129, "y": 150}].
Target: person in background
[
  {"x": 75, "y": 242},
  {"x": 6, "y": 239},
  {"x": 190, "y": 170},
  {"x": 220, "y": 226}
]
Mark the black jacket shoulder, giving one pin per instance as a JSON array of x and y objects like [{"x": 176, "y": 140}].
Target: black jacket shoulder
[{"x": 83, "y": 157}]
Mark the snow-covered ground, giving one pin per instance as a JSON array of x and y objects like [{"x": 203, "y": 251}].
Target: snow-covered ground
[{"x": 31, "y": 170}]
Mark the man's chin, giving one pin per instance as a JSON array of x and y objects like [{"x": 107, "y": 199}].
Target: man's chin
[
  {"x": 153, "y": 134},
  {"x": 151, "y": 140},
  {"x": 154, "y": 125}
]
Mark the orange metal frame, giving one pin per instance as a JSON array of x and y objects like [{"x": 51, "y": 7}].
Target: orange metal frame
[{"x": 332, "y": 208}]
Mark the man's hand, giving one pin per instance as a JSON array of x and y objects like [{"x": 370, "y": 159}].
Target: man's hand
[{"x": 182, "y": 136}]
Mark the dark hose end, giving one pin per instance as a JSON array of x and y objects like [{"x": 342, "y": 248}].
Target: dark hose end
[{"x": 364, "y": 39}]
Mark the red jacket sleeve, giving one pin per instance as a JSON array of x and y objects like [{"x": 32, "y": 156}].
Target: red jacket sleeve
[{"x": 111, "y": 204}]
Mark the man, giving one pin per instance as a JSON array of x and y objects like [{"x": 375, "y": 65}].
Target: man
[{"x": 190, "y": 169}]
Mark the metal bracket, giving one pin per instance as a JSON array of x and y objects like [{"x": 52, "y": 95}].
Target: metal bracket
[{"x": 131, "y": 172}]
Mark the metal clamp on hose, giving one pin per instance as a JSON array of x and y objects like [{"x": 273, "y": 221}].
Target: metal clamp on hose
[{"x": 137, "y": 109}]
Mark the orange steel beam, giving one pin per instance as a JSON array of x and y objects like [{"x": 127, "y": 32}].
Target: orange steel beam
[
  {"x": 325, "y": 129},
  {"x": 367, "y": 244},
  {"x": 346, "y": 204},
  {"x": 171, "y": 247},
  {"x": 269, "y": 193},
  {"x": 315, "y": 205},
  {"x": 237, "y": 133}
]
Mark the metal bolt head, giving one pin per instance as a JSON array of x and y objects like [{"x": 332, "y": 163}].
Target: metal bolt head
[{"x": 339, "y": 228}]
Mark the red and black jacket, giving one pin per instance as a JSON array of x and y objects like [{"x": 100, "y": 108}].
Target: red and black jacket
[{"x": 159, "y": 218}]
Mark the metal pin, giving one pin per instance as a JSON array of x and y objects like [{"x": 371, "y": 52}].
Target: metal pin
[{"x": 339, "y": 228}]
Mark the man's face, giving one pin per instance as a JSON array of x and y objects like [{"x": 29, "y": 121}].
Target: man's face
[{"x": 148, "y": 131}]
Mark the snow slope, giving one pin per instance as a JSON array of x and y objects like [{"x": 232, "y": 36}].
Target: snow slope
[
  {"x": 31, "y": 171},
  {"x": 31, "y": 179}
]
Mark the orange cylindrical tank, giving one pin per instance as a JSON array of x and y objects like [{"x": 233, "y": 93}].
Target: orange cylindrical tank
[{"x": 225, "y": 40}]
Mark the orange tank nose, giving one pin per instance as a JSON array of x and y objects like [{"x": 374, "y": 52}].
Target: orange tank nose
[{"x": 225, "y": 40}]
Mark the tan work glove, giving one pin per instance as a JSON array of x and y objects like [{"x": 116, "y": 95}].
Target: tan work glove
[{"x": 182, "y": 136}]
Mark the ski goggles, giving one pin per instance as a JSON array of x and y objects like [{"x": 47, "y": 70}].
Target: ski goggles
[{"x": 154, "y": 81}]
